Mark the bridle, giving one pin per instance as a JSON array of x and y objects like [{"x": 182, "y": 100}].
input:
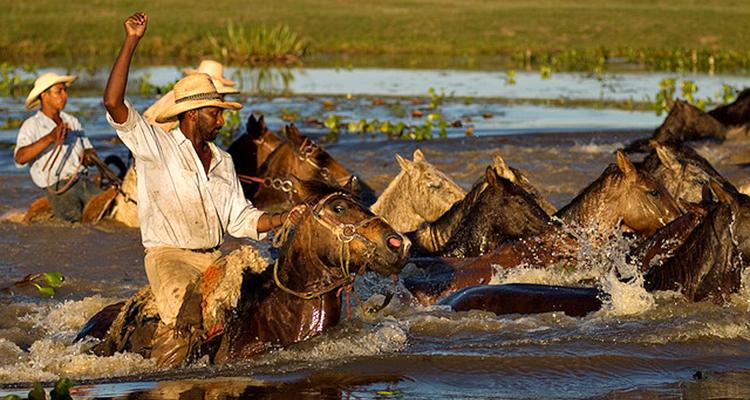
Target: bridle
[
  {"x": 306, "y": 153},
  {"x": 345, "y": 233}
]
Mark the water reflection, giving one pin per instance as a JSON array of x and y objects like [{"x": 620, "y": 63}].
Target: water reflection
[
  {"x": 316, "y": 386},
  {"x": 266, "y": 80}
]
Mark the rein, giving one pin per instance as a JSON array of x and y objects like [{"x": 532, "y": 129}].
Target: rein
[
  {"x": 344, "y": 233},
  {"x": 48, "y": 166}
]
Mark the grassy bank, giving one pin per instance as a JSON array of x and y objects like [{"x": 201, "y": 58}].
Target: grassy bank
[{"x": 579, "y": 32}]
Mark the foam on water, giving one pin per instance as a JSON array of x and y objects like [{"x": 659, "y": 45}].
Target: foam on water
[
  {"x": 54, "y": 355},
  {"x": 596, "y": 148}
]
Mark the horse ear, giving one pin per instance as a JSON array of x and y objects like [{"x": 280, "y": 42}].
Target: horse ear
[
  {"x": 721, "y": 194},
  {"x": 418, "y": 156},
  {"x": 490, "y": 175},
  {"x": 292, "y": 133},
  {"x": 352, "y": 184},
  {"x": 262, "y": 123},
  {"x": 503, "y": 169},
  {"x": 625, "y": 165},
  {"x": 665, "y": 156},
  {"x": 404, "y": 163}
]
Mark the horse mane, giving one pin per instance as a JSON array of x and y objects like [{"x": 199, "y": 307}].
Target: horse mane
[
  {"x": 585, "y": 196},
  {"x": 311, "y": 191},
  {"x": 706, "y": 255},
  {"x": 297, "y": 140}
]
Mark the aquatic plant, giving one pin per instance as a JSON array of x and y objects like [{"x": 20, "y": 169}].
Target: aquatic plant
[
  {"x": 11, "y": 82},
  {"x": 61, "y": 391},
  {"x": 232, "y": 125},
  {"x": 259, "y": 45},
  {"x": 510, "y": 77},
  {"x": 665, "y": 97}
]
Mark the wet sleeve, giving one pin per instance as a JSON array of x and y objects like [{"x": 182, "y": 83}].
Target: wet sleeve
[
  {"x": 243, "y": 216},
  {"x": 138, "y": 135}
]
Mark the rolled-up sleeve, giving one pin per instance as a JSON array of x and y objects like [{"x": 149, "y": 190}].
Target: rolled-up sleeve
[
  {"x": 137, "y": 133},
  {"x": 243, "y": 216}
]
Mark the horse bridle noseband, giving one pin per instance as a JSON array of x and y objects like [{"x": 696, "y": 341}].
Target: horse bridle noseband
[{"x": 344, "y": 233}]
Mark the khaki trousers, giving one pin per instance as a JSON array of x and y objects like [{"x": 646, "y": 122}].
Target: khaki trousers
[{"x": 170, "y": 270}]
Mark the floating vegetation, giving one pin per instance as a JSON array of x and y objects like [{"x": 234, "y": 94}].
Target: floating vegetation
[
  {"x": 11, "y": 82},
  {"x": 672, "y": 60},
  {"x": 147, "y": 88},
  {"x": 259, "y": 45},
  {"x": 45, "y": 283},
  {"x": 11, "y": 123},
  {"x": 665, "y": 97}
]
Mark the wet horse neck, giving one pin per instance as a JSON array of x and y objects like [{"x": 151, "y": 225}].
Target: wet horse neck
[
  {"x": 595, "y": 207},
  {"x": 396, "y": 205},
  {"x": 433, "y": 236},
  {"x": 302, "y": 265},
  {"x": 707, "y": 265}
]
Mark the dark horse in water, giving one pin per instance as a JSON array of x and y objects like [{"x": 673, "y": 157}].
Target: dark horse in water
[
  {"x": 621, "y": 196},
  {"x": 494, "y": 211},
  {"x": 295, "y": 299},
  {"x": 268, "y": 165},
  {"x": 702, "y": 255},
  {"x": 685, "y": 122}
]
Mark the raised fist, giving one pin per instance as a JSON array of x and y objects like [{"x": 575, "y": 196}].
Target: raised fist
[{"x": 136, "y": 24}]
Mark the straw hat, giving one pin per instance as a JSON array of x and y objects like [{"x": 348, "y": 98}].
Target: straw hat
[
  {"x": 213, "y": 68},
  {"x": 44, "y": 82},
  {"x": 191, "y": 92},
  {"x": 222, "y": 88}
]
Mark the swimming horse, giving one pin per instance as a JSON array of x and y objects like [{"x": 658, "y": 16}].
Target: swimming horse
[{"x": 296, "y": 298}]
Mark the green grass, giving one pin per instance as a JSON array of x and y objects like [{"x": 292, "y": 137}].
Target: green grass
[{"x": 399, "y": 30}]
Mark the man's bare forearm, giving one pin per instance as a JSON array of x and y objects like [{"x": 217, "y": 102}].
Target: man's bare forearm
[
  {"x": 29, "y": 152},
  {"x": 114, "y": 93}
]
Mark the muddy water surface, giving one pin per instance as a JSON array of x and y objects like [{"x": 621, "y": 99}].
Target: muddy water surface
[{"x": 640, "y": 345}]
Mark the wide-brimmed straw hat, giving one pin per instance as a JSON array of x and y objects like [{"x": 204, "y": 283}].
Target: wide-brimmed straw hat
[
  {"x": 192, "y": 92},
  {"x": 224, "y": 89},
  {"x": 44, "y": 82},
  {"x": 214, "y": 69}
]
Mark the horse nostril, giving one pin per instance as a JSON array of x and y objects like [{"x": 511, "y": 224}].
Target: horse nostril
[{"x": 394, "y": 242}]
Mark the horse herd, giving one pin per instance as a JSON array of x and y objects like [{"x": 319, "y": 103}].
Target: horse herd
[{"x": 689, "y": 230}]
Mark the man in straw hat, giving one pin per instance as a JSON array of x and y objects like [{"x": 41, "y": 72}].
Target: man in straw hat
[
  {"x": 211, "y": 68},
  {"x": 189, "y": 195},
  {"x": 57, "y": 148}
]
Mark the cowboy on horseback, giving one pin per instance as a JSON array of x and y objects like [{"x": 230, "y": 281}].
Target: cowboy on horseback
[
  {"x": 189, "y": 195},
  {"x": 57, "y": 148}
]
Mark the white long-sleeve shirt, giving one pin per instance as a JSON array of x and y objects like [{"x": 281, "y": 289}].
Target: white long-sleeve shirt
[
  {"x": 179, "y": 205},
  {"x": 67, "y": 163}
]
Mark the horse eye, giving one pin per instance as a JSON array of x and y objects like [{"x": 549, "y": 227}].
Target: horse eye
[
  {"x": 338, "y": 208},
  {"x": 654, "y": 193}
]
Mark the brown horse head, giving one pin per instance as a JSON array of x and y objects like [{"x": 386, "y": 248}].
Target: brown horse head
[
  {"x": 740, "y": 215},
  {"x": 342, "y": 234},
  {"x": 682, "y": 171},
  {"x": 504, "y": 211},
  {"x": 299, "y": 157},
  {"x": 419, "y": 193},
  {"x": 250, "y": 151},
  {"x": 622, "y": 194}
]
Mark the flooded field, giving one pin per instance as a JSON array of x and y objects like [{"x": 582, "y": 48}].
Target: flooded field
[{"x": 641, "y": 345}]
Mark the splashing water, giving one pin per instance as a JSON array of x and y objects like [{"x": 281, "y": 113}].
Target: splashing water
[
  {"x": 601, "y": 259},
  {"x": 54, "y": 355}
]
